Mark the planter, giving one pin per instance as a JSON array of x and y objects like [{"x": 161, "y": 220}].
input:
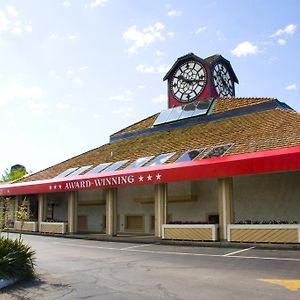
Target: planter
[
  {"x": 190, "y": 232},
  {"x": 28, "y": 226},
  {"x": 264, "y": 233},
  {"x": 53, "y": 227}
]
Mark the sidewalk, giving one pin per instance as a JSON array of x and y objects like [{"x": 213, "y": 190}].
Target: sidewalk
[{"x": 150, "y": 239}]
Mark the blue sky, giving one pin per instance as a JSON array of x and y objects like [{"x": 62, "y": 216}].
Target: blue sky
[{"x": 73, "y": 72}]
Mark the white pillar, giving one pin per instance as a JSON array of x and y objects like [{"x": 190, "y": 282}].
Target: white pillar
[
  {"x": 18, "y": 200},
  {"x": 42, "y": 209},
  {"x": 160, "y": 207},
  {"x": 111, "y": 211},
  {"x": 72, "y": 212},
  {"x": 225, "y": 186}
]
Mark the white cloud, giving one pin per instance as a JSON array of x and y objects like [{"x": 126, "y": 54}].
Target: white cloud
[
  {"x": 69, "y": 72},
  {"x": 272, "y": 59},
  {"x": 281, "y": 42},
  {"x": 28, "y": 27},
  {"x": 78, "y": 81},
  {"x": 3, "y": 21},
  {"x": 159, "y": 53},
  {"x": 62, "y": 105},
  {"x": 16, "y": 90},
  {"x": 11, "y": 23},
  {"x": 145, "y": 68},
  {"x": 292, "y": 87},
  {"x": 73, "y": 37},
  {"x": 12, "y": 11},
  {"x": 163, "y": 68},
  {"x": 125, "y": 112},
  {"x": 150, "y": 69},
  {"x": 66, "y": 4},
  {"x": 16, "y": 31},
  {"x": 124, "y": 97},
  {"x": 144, "y": 37},
  {"x": 83, "y": 68},
  {"x": 288, "y": 30},
  {"x": 96, "y": 3},
  {"x": 171, "y": 34},
  {"x": 53, "y": 36},
  {"x": 160, "y": 98},
  {"x": 38, "y": 108},
  {"x": 200, "y": 30},
  {"x": 244, "y": 49},
  {"x": 174, "y": 13}
]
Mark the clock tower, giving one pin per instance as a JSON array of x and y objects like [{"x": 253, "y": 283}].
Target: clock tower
[{"x": 192, "y": 78}]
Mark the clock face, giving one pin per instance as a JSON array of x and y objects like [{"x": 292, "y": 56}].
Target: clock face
[
  {"x": 188, "y": 81},
  {"x": 222, "y": 81}
]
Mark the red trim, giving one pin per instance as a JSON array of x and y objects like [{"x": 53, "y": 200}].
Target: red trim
[{"x": 284, "y": 159}]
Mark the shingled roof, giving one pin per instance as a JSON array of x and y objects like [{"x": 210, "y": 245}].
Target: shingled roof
[{"x": 250, "y": 124}]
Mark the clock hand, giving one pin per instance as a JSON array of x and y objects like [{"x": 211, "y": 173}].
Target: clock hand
[{"x": 181, "y": 77}]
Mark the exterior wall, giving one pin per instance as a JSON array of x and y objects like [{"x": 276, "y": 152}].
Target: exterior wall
[
  {"x": 60, "y": 209},
  {"x": 91, "y": 209},
  {"x": 137, "y": 200},
  {"x": 267, "y": 197},
  {"x": 192, "y": 200}
]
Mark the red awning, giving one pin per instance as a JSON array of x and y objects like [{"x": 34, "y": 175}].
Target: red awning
[{"x": 279, "y": 160}]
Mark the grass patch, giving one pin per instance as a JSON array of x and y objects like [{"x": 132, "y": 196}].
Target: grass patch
[{"x": 16, "y": 260}]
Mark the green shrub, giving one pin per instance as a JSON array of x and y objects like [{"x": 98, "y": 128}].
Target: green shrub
[{"x": 16, "y": 260}]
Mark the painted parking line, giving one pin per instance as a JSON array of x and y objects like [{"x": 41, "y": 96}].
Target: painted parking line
[
  {"x": 238, "y": 251},
  {"x": 291, "y": 284},
  {"x": 85, "y": 246},
  {"x": 135, "y": 249},
  {"x": 136, "y": 246}
]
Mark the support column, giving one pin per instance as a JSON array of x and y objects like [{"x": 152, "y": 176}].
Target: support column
[
  {"x": 42, "y": 209},
  {"x": 72, "y": 212},
  {"x": 225, "y": 186},
  {"x": 160, "y": 207},
  {"x": 17, "y": 204},
  {"x": 111, "y": 211},
  {"x": 15, "y": 208}
]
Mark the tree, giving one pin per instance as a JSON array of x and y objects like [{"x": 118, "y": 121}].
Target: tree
[
  {"x": 4, "y": 204},
  {"x": 13, "y": 174},
  {"x": 23, "y": 215}
]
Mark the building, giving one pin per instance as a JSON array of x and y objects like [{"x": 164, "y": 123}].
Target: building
[{"x": 210, "y": 167}]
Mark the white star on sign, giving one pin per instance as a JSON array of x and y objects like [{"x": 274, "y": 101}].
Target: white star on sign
[
  {"x": 149, "y": 177},
  {"x": 60, "y": 186},
  {"x": 141, "y": 178},
  {"x": 54, "y": 187},
  {"x": 158, "y": 176},
  {"x": 50, "y": 187}
]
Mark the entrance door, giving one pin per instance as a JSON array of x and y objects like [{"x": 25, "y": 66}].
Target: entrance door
[
  {"x": 135, "y": 223},
  {"x": 82, "y": 223}
]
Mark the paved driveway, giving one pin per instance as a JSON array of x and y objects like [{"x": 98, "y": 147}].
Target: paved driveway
[{"x": 81, "y": 269}]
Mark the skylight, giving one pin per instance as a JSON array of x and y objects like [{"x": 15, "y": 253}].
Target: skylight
[
  {"x": 116, "y": 165},
  {"x": 160, "y": 159},
  {"x": 66, "y": 172},
  {"x": 190, "y": 155},
  {"x": 183, "y": 112},
  {"x": 98, "y": 168},
  {"x": 79, "y": 171},
  {"x": 139, "y": 162},
  {"x": 219, "y": 150}
]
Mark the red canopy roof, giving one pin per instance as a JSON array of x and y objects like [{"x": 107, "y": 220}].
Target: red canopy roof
[{"x": 284, "y": 159}]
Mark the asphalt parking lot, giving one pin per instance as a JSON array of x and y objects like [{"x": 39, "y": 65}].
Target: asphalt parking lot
[{"x": 83, "y": 269}]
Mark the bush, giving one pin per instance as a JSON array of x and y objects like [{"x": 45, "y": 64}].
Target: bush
[{"x": 16, "y": 260}]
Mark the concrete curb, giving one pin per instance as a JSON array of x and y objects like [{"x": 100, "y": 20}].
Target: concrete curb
[
  {"x": 158, "y": 241},
  {"x": 6, "y": 282}
]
